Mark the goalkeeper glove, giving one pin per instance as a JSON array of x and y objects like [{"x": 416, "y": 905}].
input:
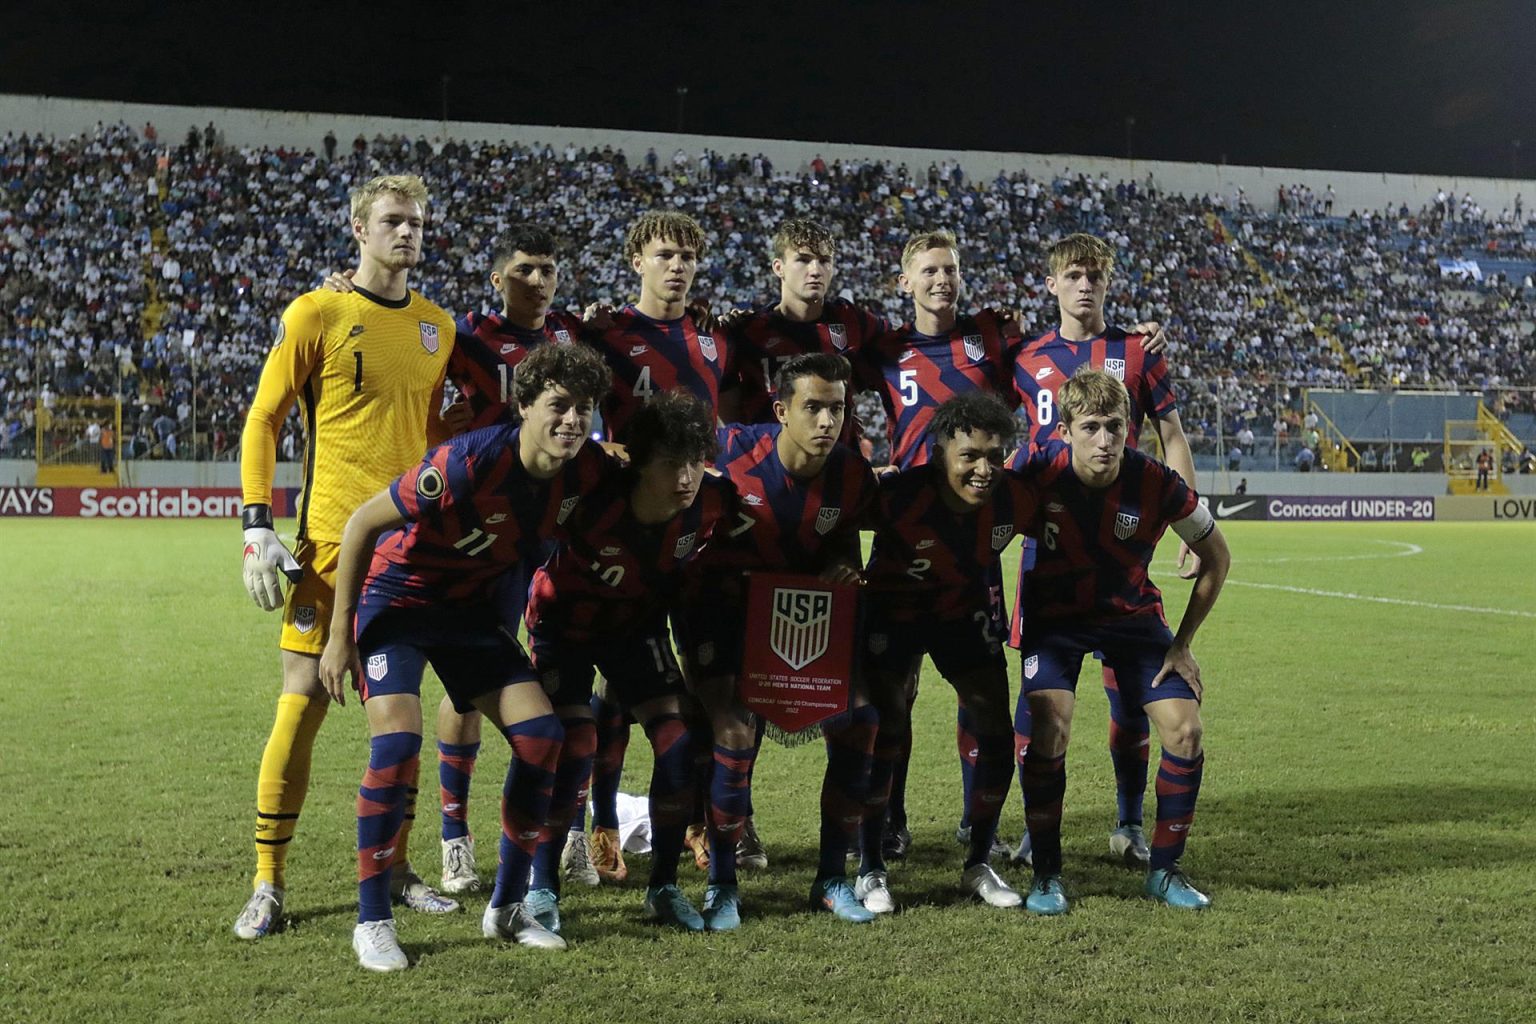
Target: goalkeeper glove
[{"x": 264, "y": 556}]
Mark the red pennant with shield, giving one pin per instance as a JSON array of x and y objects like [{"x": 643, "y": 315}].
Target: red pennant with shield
[{"x": 797, "y": 654}]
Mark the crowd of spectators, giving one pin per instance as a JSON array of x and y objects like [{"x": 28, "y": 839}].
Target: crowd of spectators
[{"x": 157, "y": 273}]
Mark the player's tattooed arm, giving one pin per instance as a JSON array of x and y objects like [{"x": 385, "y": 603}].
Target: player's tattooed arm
[
  {"x": 362, "y": 531},
  {"x": 1217, "y": 560}
]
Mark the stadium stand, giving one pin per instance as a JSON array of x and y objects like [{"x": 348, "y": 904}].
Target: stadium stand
[{"x": 116, "y": 249}]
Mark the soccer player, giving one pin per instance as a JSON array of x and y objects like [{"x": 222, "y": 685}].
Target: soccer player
[
  {"x": 803, "y": 499},
  {"x": 804, "y": 320},
  {"x": 367, "y": 368},
  {"x": 653, "y": 346},
  {"x": 1079, "y": 271},
  {"x": 440, "y": 537},
  {"x": 601, "y": 603},
  {"x": 935, "y": 586},
  {"x": 1104, "y": 508}
]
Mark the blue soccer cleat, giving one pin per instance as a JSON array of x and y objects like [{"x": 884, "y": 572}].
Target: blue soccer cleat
[
  {"x": 544, "y": 906},
  {"x": 836, "y": 896},
  {"x": 1047, "y": 896},
  {"x": 667, "y": 905},
  {"x": 1170, "y": 886},
  {"x": 722, "y": 908}
]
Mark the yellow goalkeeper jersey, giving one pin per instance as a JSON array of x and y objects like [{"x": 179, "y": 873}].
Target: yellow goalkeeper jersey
[{"x": 368, "y": 374}]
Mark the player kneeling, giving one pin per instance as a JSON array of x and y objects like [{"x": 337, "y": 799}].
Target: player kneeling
[
  {"x": 452, "y": 526},
  {"x": 935, "y": 587},
  {"x": 601, "y": 604},
  {"x": 1105, "y": 508}
]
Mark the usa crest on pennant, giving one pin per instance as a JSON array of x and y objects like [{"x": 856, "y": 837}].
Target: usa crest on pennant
[
  {"x": 1115, "y": 368},
  {"x": 826, "y": 518},
  {"x": 1125, "y": 525},
  {"x": 801, "y": 625},
  {"x": 429, "y": 337}
]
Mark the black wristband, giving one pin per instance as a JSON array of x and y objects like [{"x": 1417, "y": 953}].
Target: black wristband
[{"x": 256, "y": 517}]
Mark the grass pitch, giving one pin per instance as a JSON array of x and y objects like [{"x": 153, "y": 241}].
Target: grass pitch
[{"x": 1367, "y": 827}]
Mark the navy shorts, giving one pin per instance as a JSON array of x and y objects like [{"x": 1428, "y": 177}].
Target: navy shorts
[
  {"x": 709, "y": 627},
  {"x": 1051, "y": 655},
  {"x": 639, "y": 666},
  {"x": 957, "y": 646},
  {"x": 470, "y": 648}
]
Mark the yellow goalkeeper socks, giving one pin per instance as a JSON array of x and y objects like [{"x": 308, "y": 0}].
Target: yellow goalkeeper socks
[{"x": 284, "y": 780}]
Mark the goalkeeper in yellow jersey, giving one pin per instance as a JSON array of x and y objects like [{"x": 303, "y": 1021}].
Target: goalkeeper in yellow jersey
[{"x": 367, "y": 370}]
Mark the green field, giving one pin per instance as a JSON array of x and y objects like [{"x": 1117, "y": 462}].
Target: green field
[{"x": 1367, "y": 827}]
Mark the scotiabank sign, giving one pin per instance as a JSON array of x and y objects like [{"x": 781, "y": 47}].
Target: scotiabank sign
[
  {"x": 132, "y": 502},
  {"x": 1347, "y": 509}
]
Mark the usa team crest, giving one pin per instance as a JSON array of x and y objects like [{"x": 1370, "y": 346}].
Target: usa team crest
[
  {"x": 839, "y": 336},
  {"x": 1115, "y": 368},
  {"x": 1001, "y": 535},
  {"x": 826, "y": 519},
  {"x": 707, "y": 346},
  {"x": 974, "y": 347},
  {"x": 378, "y": 667},
  {"x": 562, "y": 337},
  {"x": 801, "y": 626},
  {"x": 1031, "y": 666},
  {"x": 304, "y": 618},
  {"x": 684, "y": 545},
  {"x": 1125, "y": 525},
  {"x": 565, "y": 508},
  {"x": 429, "y": 337}
]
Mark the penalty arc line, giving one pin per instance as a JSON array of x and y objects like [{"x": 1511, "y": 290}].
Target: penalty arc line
[{"x": 1314, "y": 592}]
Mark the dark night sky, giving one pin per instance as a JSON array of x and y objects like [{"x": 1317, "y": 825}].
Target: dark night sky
[{"x": 1414, "y": 85}]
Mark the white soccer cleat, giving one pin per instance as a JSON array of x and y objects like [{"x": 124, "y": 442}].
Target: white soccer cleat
[
  {"x": 874, "y": 892},
  {"x": 459, "y": 865},
  {"x": 408, "y": 888},
  {"x": 1129, "y": 844},
  {"x": 513, "y": 923},
  {"x": 751, "y": 855},
  {"x": 262, "y": 914},
  {"x": 576, "y": 859},
  {"x": 982, "y": 883},
  {"x": 377, "y": 947}
]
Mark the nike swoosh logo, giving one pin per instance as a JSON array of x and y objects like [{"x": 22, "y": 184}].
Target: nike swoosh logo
[{"x": 1223, "y": 509}]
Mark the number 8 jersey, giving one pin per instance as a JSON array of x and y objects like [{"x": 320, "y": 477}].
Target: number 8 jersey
[{"x": 1049, "y": 361}]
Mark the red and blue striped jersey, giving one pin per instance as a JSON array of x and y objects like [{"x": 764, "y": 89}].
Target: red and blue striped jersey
[
  {"x": 472, "y": 510},
  {"x": 930, "y": 562},
  {"x": 487, "y": 347},
  {"x": 613, "y": 574},
  {"x": 650, "y": 356},
  {"x": 1095, "y": 544},
  {"x": 761, "y": 343},
  {"x": 915, "y": 373},
  {"x": 785, "y": 522},
  {"x": 1044, "y": 364}
]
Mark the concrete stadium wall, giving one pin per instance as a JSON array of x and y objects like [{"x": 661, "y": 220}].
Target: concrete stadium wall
[
  {"x": 305, "y": 130},
  {"x": 147, "y": 473}
]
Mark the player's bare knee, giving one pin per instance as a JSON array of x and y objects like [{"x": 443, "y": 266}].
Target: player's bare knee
[
  {"x": 1183, "y": 736},
  {"x": 301, "y": 674}
]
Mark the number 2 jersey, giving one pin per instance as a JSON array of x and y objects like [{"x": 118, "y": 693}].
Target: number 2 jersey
[{"x": 472, "y": 511}]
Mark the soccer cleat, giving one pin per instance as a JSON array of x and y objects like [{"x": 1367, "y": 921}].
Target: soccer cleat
[
  {"x": 999, "y": 848},
  {"x": 982, "y": 883},
  {"x": 544, "y": 906},
  {"x": 895, "y": 842},
  {"x": 666, "y": 904},
  {"x": 1170, "y": 886},
  {"x": 377, "y": 947},
  {"x": 697, "y": 840},
  {"x": 608, "y": 855},
  {"x": 459, "y": 865},
  {"x": 262, "y": 914},
  {"x": 576, "y": 859},
  {"x": 1024, "y": 855},
  {"x": 1128, "y": 844},
  {"x": 873, "y": 890},
  {"x": 407, "y": 887},
  {"x": 750, "y": 854},
  {"x": 1047, "y": 896},
  {"x": 514, "y": 924},
  {"x": 836, "y": 896},
  {"x": 722, "y": 908}
]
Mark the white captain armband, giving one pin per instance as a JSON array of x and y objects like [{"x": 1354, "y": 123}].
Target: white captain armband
[{"x": 1196, "y": 526}]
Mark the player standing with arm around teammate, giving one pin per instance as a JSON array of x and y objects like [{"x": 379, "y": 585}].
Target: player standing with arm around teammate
[
  {"x": 451, "y": 527},
  {"x": 1079, "y": 270},
  {"x": 367, "y": 369},
  {"x": 1104, "y": 509}
]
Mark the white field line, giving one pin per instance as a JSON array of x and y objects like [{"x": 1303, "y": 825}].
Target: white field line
[{"x": 1405, "y": 550}]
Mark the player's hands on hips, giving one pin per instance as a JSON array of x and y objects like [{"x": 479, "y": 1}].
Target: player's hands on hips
[
  {"x": 337, "y": 661},
  {"x": 338, "y": 281},
  {"x": 840, "y": 573},
  {"x": 263, "y": 557},
  {"x": 1189, "y": 562},
  {"x": 1180, "y": 661},
  {"x": 1153, "y": 338}
]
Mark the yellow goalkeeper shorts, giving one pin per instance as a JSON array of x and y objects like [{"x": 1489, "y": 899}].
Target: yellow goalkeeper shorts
[{"x": 307, "y": 612}]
